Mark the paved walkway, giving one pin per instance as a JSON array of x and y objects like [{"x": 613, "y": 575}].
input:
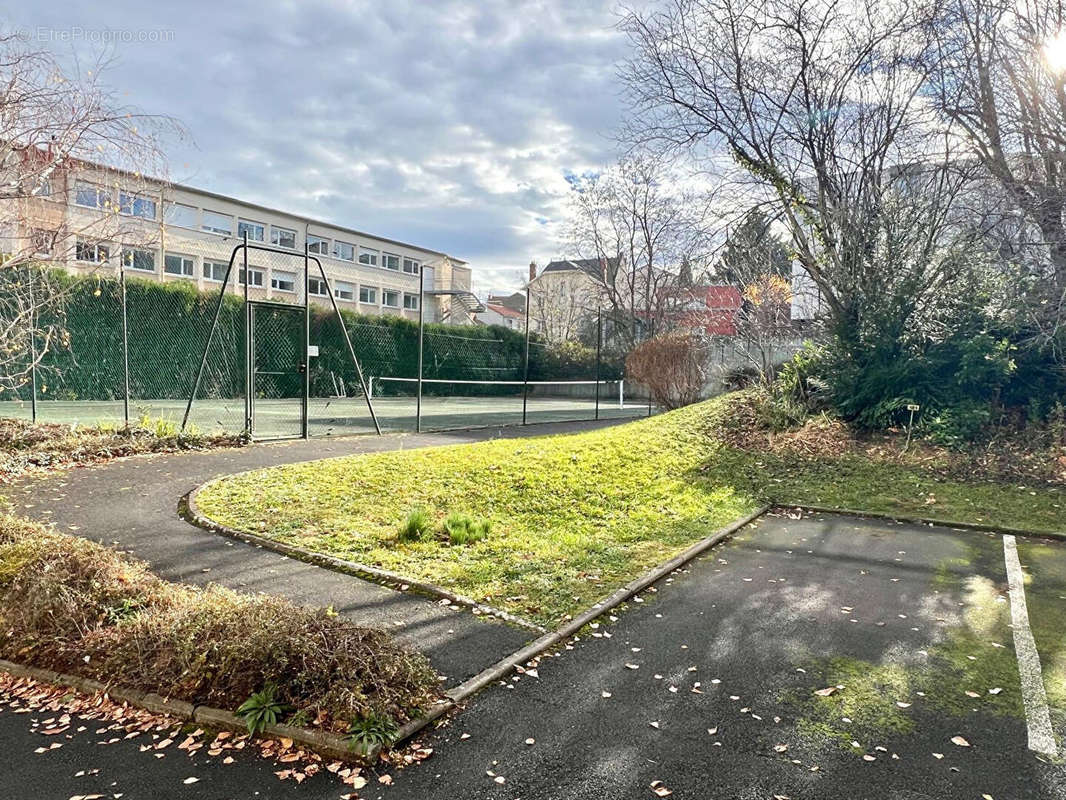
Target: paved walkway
[
  {"x": 131, "y": 505},
  {"x": 748, "y": 625}
]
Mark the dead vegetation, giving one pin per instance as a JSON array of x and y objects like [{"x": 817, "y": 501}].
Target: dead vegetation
[
  {"x": 77, "y": 607},
  {"x": 1012, "y": 456},
  {"x": 29, "y": 447}
]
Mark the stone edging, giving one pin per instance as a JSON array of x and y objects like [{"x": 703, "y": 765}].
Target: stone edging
[
  {"x": 328, "y": 744},
  {"x": 192, "y": 514},
  {"x": 941, "y": 523},
  {"x": 504, "y": 666}
]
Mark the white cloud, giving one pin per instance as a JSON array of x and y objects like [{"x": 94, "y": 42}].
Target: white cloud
[{"x": 449, "y": 124}]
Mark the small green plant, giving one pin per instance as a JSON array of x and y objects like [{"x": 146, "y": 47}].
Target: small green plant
[
  {"x": 124, "y": 610},
  {"x": 372, "y": 730},
  {"x": 261, "y": 709},
  {"x": 416, "y": 527},
  {"x": 301, "y": 719},
  {"x": 160, "y": 427},
  {"x": 463, "y": 529}
]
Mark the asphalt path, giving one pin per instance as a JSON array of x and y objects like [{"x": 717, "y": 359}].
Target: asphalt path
[{"x": 132, "y": 505}]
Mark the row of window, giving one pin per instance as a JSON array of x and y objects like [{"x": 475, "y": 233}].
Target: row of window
[
  {"x": 185, "y": 216},
  {"x": 215, "y": 271}
]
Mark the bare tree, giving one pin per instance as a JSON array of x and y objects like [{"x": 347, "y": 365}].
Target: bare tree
[
  {"x": 994, "y": 78},
  {"x": 649, "y": 232},
  {"x": 821, "y": 104},
  {"x": 56, "y": 125}
]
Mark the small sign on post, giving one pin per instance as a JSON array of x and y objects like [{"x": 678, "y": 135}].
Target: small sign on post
[
  {"x": 911, "y": 407},
  {"x": 312, "y": 350}
]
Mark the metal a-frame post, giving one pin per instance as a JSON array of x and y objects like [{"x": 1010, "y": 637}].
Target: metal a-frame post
[
  {"x": 210, "y": 335},
  {"x": 347, "y": 341}
]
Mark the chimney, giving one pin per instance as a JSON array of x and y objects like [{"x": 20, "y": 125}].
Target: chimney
[{"x": 532, "y": 270}]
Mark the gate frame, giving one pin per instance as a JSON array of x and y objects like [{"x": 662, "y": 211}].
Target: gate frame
[
  {"x": 243, "y": 248},
  {"x": 304, "y": 399}
]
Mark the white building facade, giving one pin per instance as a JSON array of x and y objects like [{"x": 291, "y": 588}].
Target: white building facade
[{"x": 170, "y": 232}]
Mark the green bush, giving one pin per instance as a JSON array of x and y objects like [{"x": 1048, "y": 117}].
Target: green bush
[{"x": 168, "y": 325}]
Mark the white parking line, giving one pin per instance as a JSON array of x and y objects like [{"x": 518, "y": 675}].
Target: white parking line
[{"x": 1041, "y": 737}]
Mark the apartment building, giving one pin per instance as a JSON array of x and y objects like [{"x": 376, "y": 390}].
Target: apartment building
[{"x": 93, "y": 219}]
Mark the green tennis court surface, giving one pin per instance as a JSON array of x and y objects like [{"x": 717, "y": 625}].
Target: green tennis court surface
[{"x": 334, "y": 416}]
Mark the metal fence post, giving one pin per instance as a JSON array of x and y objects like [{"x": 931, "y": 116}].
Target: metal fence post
[
  {"x": 525, "y": 367},
  {"x": 306, "y": 359},
  {"x": 125, "y": 348},
  {"x": 33, "y": 349},
  {"x": 599, "y": 352},
  {"x": 421, "y": 344},
  {"x": 248, "y": 351}
]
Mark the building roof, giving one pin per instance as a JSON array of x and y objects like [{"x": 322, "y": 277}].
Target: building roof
[
  {"x": 504, "y": 311},
  {"x": 515, "y": 301},
  {"x": 593, "y": 267}
]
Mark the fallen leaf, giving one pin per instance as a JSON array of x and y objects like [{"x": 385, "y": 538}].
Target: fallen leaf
[
  {"x": 828, "y": 690},
  {"x": 660, "y": 790},
  {"x": 958, "y": 740}
]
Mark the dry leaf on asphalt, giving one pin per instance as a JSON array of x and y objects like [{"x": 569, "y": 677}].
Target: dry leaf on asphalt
[
  {"x": 958, "y": 740},
  {"x": 828, "y": 690},
  {"x": 660, "y": 790}
]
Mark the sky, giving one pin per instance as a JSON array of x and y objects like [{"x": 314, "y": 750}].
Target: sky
[{"x": 450, "y": 124}]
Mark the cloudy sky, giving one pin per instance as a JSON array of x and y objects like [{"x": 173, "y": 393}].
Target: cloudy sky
[{"x": 446, "y": 123}]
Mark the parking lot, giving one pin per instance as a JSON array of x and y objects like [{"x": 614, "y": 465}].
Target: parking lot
[{"x": 814, "y": 657}]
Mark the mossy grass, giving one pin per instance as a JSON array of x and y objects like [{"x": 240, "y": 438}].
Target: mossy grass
[{"x": 576, "y": 516}]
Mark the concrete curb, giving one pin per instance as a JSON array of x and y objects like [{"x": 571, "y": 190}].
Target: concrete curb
[
  {"x": 504, "y": 666},
  {"x": 942, "y": 523},
  {"x": 393, "y": 580},
  {"x": 329, "y": 744}
]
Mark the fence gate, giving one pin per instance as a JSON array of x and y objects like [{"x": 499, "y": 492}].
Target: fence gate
[{"x": 277, "y": 367}]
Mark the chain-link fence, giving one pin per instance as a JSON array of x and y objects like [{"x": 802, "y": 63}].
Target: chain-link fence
[{"x": 275, "y": 348}]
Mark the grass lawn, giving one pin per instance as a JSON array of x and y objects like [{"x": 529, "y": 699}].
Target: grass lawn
[{"x": 575, "y": 516}]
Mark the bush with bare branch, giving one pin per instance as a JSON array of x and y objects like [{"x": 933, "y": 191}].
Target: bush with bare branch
[
  {"x": 675, "y": 367},
  {"x": 55, "y": 125}
]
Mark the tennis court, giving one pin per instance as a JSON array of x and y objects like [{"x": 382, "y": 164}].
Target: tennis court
[{"x": 340, "y": 416}]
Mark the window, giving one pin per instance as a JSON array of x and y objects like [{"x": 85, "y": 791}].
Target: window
[
  {"x": 214, "y": 222},
  {"x": 143, "y": 260},
  {"x": 390, "y": 298},
  {"x": 257, "y": 276},
  {"x": 343, "y": 250},
  {"x": 343, "y": 291},
  {"x": 317, "y": 286},
  {"x": 316, "y": 244},
  {"x": 136, "y": 205},
  {"x": 175, "y": 264},
  {"x": 180, "y": 215},
  {"x": 283, "y": 281},
  {"x": 215, "y": 270},
  {"x": 389, "y": 261},
  {"x": 368, "y": 294},
  {"x": 256, "y": 230},
  {"x": 85, "y": 194},
  {"x": 410, "y": 266},
  {"x": 283, "y": 237},
  {"x": 368, "y": 256},
  {"x": 410, "y": 302},
  {"x": 92, "y": 252}
]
